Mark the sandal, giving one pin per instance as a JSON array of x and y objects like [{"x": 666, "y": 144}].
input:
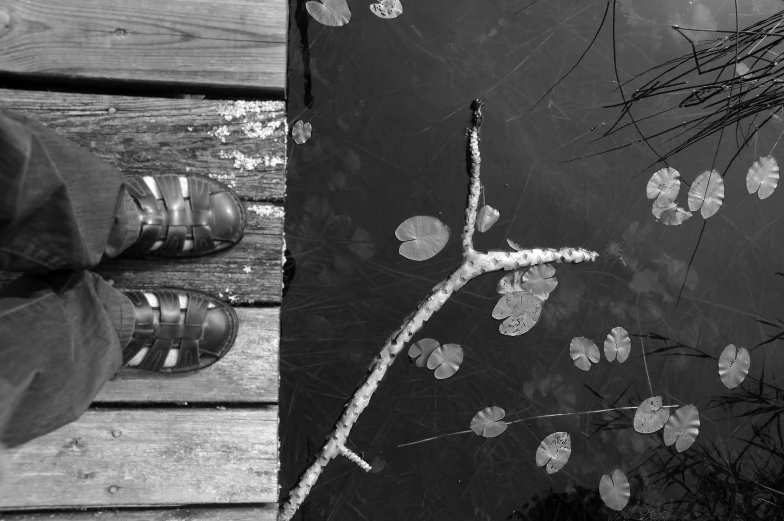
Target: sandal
[
  {"x": 184, "y": 215},
  {"x": 201, "y": 331}
]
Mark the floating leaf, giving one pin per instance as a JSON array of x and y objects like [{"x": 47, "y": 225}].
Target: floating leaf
[
  {"x": 650, "y": 416},
  {"x": 741, "y": 68},
  {"x": 446, "y": 360},
  {"x": 487, "y": 422},
  {"x": 617, "y": 344},
  {"x": 329, "y": 12},
  {"x": 486, "y": 218},
  {"x": 514, "y": 245},
  {"x": 521, "y": 310},
  {"x": 734, "y": 366},
  {"x": 424, "y": 237},
  {"x": 615, "y": 490},
  {"x": 554, "y": 452},
  {"x": 763, "y": 176},
  {"x": 664, "y": 186},
  {"x": 706, "y": 193},
  {"x": 301, "y": 132},
  {"x": 539, "y": 281},
  {"x": 583, "y": 351},
  {"x": 515, "y": 303},
  {"x": 682, "y": 428},
  {"x": 657, "y": 210},
  {"x": 387, "y": 9},
  {"x": 673, "y": 216},
  {"x": 421, "y": 350}
]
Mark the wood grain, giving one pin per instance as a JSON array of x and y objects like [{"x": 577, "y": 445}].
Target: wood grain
[
  {"x": 225, "y": 43},
  {"x": 240, "y": 143},
  {"x": 149, "y": 457},
  {"x": 265, "y": 513},
  {"x": 247, "y": 374}
]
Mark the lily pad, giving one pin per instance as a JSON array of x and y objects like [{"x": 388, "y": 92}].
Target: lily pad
[
  {"x": 618, "y": 344},
  {"x": 554, "y": 451},
  {"x": 387, "y": 9},
  {"x": 421, "y": 350},
  {"x": 539, "y": 281},
  {"x": 486, "y": 218},
  {"x": 329, "y": 12},
  {"x": 301, "y": 132},
  {"x": 664, "y": 186},
  {"x": 488, "y": 423},
  {"x": 673, "y": 215},
  {"x": 583, "y": 351},
  {"x": 763, "y": 177},
  {"x": 514, "y": 245},
  {"x": 424, "y": 237},
  {"x": 446, "y": 360},
  {"x": 734, "y": 366},
  {"x": 650, "y": 416},
  {"x": 521, "y": 310},
  {"x": 615, "y": 490},
  {"x": 706, "y": 193},
  {"x": 682, "y": 428}
]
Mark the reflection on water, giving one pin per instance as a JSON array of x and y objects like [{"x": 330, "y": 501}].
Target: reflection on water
[{"x": 388, "y": 101}]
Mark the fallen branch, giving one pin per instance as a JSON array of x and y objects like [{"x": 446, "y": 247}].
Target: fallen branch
[{"x": 474, "y": 264}]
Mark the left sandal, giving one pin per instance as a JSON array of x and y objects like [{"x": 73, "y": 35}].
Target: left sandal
[{"x": 203, "y": 331}]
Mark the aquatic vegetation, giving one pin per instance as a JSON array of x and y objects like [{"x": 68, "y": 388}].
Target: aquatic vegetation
[
  {"x": 615, "y": 490},
  {"x": 650, "y": 416},
  {"x": 387, "y": 9},
  {"x": 301, "y": 132},
  {"x": 486, "y": 218},
  {"x": 329, "y": 12},
  {"x": 682, "y": 428},
  {"x": 554, "y": 451},
  {"x": 521, "y": 311},
  {"x": 617, "y": 345},
  {"x": 423, "y": 237},
  {"x": 446, "y": 360},
  {"x": 706, "y": 193},
  {"x": 734, "y": 365},
  {"x": 488, "y": 422},
  {"x": 583, "y": 351},
  {"x": 763, "y": 177}
]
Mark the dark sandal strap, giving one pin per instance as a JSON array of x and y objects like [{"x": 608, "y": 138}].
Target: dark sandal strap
[
  {"x": 173, "y": 222},
  {"x": 162, "y": 331}
]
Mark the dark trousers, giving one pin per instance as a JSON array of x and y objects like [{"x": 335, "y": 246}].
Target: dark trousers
[{"x": 62, "y": 328}]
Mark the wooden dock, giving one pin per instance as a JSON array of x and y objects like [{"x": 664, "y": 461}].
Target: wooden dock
[{"x": 202, "y": 446}]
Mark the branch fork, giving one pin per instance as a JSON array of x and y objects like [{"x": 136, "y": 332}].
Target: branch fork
[{"x": 473, "y": 265}]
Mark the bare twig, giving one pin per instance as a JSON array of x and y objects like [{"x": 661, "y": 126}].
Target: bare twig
[{"x": 474, "y": 264}]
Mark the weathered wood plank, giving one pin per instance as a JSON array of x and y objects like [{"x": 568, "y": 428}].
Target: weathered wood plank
[
  {"x": 224, "y": 43},
  {"x": 265, "y": 513},
  {"x": 149, "y": 457},
  {"x": 240, "y": 142},
  {"x": 248, "y": 373}
]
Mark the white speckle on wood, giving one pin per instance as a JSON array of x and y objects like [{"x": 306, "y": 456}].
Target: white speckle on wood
[
  {"x": 190, "y": 129},
  {"x": 267, "y": 210},
  {"x": 241, "y": 109},
  {"x": 220, "y": 132},
  {"x": 241, "y": 161},
  {"x": 260, "y": 130},
  {"x": 246, "y": 269}
]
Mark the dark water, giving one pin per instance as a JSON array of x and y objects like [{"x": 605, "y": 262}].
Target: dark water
[{"x": 389, "y": 102}]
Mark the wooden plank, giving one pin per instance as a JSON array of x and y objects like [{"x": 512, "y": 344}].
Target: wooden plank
[
  {"x": 247, "y": 374},
  {"x": 265, "y": 513},
  {"x": 149, "y": 457},
  {"x": 241, "y": 143},
  {"x": 223, "y": 43}
]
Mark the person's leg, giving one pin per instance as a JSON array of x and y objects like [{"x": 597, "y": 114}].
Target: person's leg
[
  {"x": 61, "y": 207},
  {"x": 50, "y": 366}
]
